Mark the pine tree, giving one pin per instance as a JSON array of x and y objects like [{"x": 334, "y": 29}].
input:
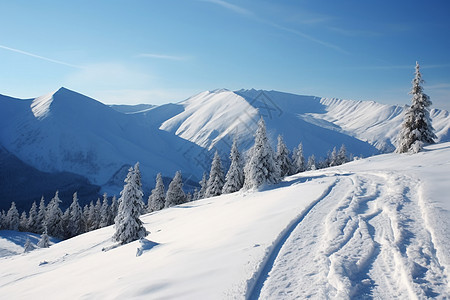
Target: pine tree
[
  {"x": 28, "y": 246},
  {"x": 86, "y": 218},
  {"x": 40, "y": 220},
  {"x": 234, "y": 180},
  {"x": 416, "y": 128},
  {"x": 137, "y": 178},
  {"x": 23, "y": 223},
  {"x": 92, "y": 220},
  {"x": 104, "y": 212},
  {"x": 75, "y": 218},
  {"x": 216, "y": 178},
  {"x": 53, "y": 217},
  {"x": 3, "y": 220},
  {"x": 13, "y": 218},
  {"x": 157, "y": 199},
  {"x": 261, "y": 167},
  {"x": 298, "y": 160},
  {"x": 311, "y": 163},
  {"x": 127, "y": 223},
  {"x": 32, "y": 218},
  {"x": 113, "y": 210},
  {"x": 282, "y": 157},
  {"x": 203, "y": 186},
  {"x": 175, "y": 194},
  {"x": 342, "y": 157},
  {"x": 44, "y": 241},
  {"x": 333, "y": 158}
]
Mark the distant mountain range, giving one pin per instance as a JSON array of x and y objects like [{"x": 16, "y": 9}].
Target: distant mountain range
[{"x": 65, "y": 131}]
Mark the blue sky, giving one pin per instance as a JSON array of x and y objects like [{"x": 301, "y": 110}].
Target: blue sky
[{"x": 165, "y": 51}]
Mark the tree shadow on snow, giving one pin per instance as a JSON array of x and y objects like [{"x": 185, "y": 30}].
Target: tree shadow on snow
[{"x": 144, "y": 246}]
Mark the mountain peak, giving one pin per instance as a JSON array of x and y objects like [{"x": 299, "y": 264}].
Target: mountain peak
[{"x": 41, "y": 105}]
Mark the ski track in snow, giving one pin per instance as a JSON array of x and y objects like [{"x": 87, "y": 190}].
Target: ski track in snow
[{"x": 372, "y": 243}]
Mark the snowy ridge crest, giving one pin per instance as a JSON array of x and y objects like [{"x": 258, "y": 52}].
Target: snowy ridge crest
[{"x": 41, "y": 106}]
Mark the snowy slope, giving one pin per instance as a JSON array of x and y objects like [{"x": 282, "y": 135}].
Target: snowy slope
[
  {"x": 374, "y": 228},
  {"x": 66, "y": 131}
]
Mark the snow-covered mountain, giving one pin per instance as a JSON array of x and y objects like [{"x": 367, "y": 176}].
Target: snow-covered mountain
[
  {"x": 66, "y": 131},
  {"x": 376, "y": 228}
]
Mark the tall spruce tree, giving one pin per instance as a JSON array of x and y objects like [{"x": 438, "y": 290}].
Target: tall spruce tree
[
  {"x": 137, "y": 179},
  {"x": 234, "y": 180},
  {"x": 311, "y": 165},
  {"x": 44, "y": 241},
  {"x": 53, "y": 217},
  {"x": 104, "y": 212},
  {"x": 113, "y": 210},
  {"x": 261, "y": 166},
  {"x": 216, "y": 178},
  {"x": 416, "y": 128},
  {"x": 23, "y": 223},
  {"x": 75, "y": 218},
  {"x": 13, "y": 217},
  {"x": 157, "y": 199},
  {"x": 32, "y": 218},
  {"x": 283, "y": 159},
  {"x": 203, "y": 186},
  {"x": 175, "y": 194},
  {"x": 40, "y": 220},
  {"x": 127, "y": 223},
  {"x": 298, "y": 160},
  {"x": 342, "y": 157}
]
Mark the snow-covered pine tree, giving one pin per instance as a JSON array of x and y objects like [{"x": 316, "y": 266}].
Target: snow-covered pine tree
[
  {"x": 137, "y": 178},
  {"x": 333, "y": 158},
  {"x": 298, "y": 160},
  {"x": 127, "y": 223},
  {"x": 113, "y": 210},
  {"x": 92, "y": 219},
  {"x": 282, "y": 157},
  {"x": 234, "y": 180},
  {"x": 32, "y": 218},
  {"x": 75, "y": 218},
  {"x": 311, "y": 163},
  {"x": 53, "y": 217},
  {"x": 44, "y": 241},
  {"x": 157, "y": 199},
  {"x": 23, "y": 223},
  {"x": 342, "y": 157},
  {"x": 216, "y": 178},
  {"x": 104, "y": 212},
  {"x": 416, "y": 128},
  {"x": 195, "y": 194},
  {"x": 41, "y": 216},
  {"x": 175, "y": 194},
  {"x": 2, "y": 220},
  {"x": 12, "y": 217},
  {"x": 28, "y": 246},
  {"x": 261, "y": 166},
  {"x": 203, "y": 185},
  {"x": 97, "y": 209}
]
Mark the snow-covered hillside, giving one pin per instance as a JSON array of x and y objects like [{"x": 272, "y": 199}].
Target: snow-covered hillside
[{"x": 374, "y": 228}]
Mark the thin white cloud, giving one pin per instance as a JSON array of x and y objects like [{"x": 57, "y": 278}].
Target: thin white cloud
[
  {"x": 242, "y": 11},
  {"x": 237, "y": 9},
  {"x": 39, "y": 57},
  {"x": 162, "y": 56}
]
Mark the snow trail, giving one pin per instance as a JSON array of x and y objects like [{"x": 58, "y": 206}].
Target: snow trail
[{"x": 366, "y": 238}]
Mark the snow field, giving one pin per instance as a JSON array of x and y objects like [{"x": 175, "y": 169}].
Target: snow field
[{"x": 376, "y": 228}]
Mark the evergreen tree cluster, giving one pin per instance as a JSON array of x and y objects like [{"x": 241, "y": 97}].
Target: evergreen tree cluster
[{"x": 51, "y": 220}]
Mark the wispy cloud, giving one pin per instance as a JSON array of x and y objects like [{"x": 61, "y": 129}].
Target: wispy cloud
[
  {"x": 242, "y": 11},
  {"x": 162, "y": 56},
  {"x": 235, "y": 8},
  {"x": 354, "y": 32},
  {"x": 39, "y": 57}
]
